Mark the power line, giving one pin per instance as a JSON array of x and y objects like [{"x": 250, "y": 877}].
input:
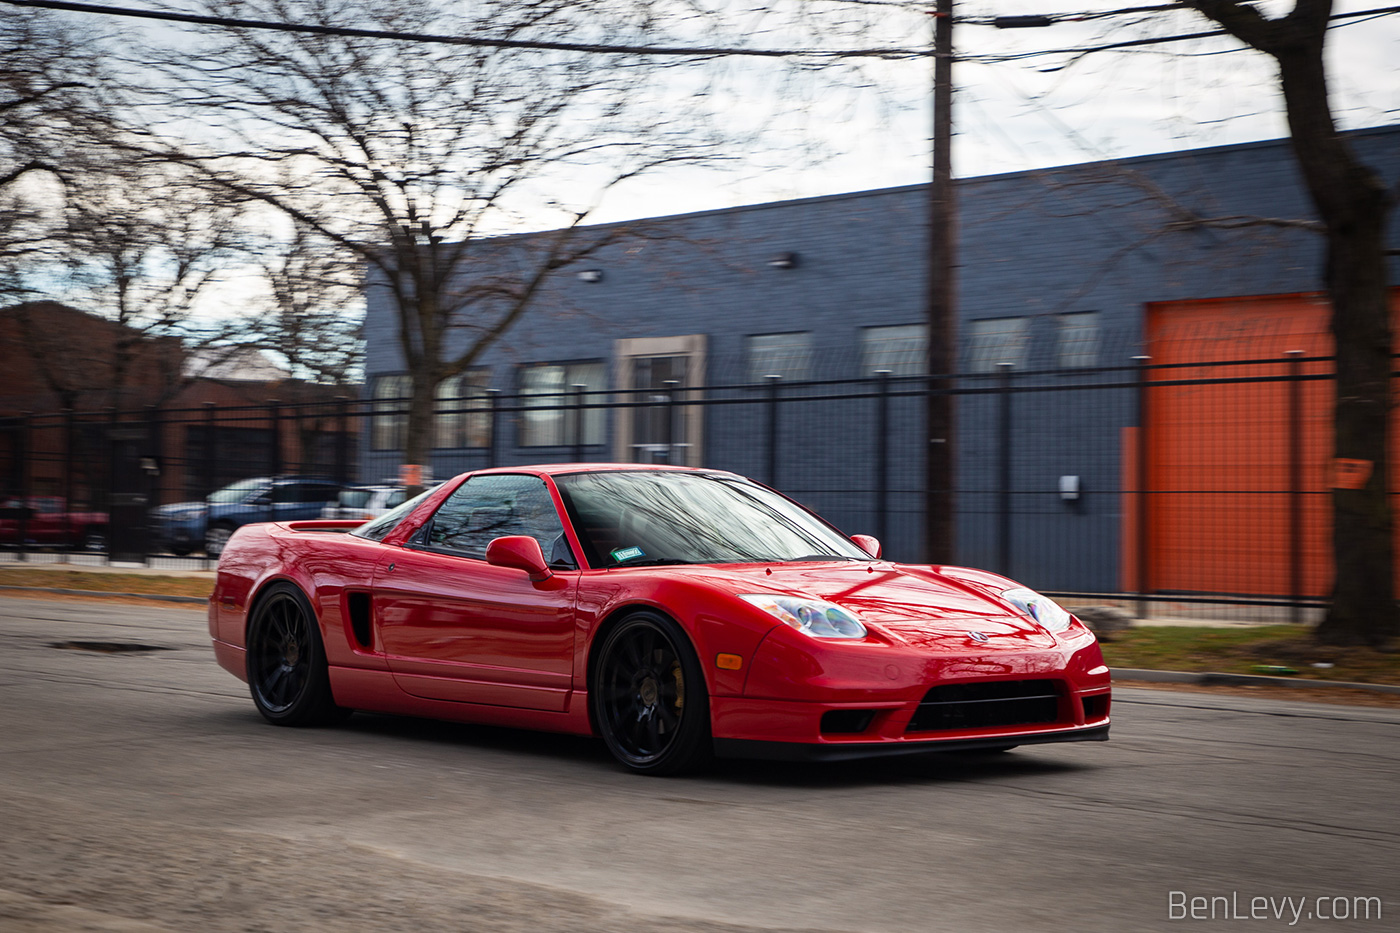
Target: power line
[
  {"x": 476, "y": 42},
  {"x": 679, "y": 51},
  {"x": 1080, "y": 51},
  {"x": 1004, "y": 22}
]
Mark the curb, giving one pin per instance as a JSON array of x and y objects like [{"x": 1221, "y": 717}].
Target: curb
[
  {"x": 62, "y": 592},
  {"x": 1214, "y": 679}
]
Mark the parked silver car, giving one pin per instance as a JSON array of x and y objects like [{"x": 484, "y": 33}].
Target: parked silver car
[{"x": 362, "y": 503}]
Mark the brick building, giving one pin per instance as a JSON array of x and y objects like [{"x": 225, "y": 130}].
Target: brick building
[{"x": 89, "y": 408}]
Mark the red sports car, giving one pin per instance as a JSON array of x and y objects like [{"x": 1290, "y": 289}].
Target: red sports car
[{"x": 676, "y": 613}]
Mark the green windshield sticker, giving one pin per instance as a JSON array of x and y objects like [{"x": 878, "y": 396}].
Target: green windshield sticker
[{"x": 627, "y": 553}]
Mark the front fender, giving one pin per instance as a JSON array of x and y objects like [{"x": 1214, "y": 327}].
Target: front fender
[{"x": 717, "y": 622}]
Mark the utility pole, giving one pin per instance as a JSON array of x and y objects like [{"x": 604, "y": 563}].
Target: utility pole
[
  {"x": 941, "y": 454},
  {"x": 940, "y": 522}
]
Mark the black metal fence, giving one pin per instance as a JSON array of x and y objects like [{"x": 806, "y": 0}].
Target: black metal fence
[{"x": 1166, "y": 483}]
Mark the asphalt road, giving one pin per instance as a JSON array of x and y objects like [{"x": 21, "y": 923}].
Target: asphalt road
[{"x": 141, "y": 792}]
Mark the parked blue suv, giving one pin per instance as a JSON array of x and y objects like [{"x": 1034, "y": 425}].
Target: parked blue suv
[{"x": 185, "y": 526}]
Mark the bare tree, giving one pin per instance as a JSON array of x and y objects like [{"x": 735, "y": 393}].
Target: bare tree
[
  {"x": 413, "y": 158},
  {"x": 141, "y": 245},
  {"x": 311, "y": 319},
  {"x": 46, "y": 104},
  {"x": 1353, "y": 204}
]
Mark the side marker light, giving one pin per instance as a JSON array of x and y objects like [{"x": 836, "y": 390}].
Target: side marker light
[{"x": 728, "y": 662}]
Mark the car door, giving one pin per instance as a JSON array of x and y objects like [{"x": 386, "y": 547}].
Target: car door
[{"x": 454, "y": 627}]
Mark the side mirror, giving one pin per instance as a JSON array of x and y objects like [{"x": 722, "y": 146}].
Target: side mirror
[
  {"x": 868, "y": 544},
  {"x": 521, "y": 552}
]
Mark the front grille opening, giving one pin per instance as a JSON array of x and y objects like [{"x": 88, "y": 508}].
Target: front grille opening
[
  {"x": 1096, "y": 707},
  {"x": 846, "y": 721},
  {"x": 987, "y": 704}
]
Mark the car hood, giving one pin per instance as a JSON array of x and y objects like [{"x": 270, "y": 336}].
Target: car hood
[{"x": 913, "y": 604}]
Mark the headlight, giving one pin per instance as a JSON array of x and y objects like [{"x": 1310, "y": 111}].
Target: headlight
[
  {"x": 811, "y": 616},
  {"x": 1045, "y": 611}
]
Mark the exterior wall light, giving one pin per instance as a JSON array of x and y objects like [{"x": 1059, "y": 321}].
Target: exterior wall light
[
  {"x": 591, "y": 275},
  {"x": 784, "y": 261}
]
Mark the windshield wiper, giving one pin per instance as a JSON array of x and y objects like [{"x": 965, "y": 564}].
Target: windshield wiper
[{"x": 815, "y": 557}]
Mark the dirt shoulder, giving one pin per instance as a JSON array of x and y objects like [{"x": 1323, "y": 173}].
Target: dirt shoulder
[{"x": 194, "y": 584}]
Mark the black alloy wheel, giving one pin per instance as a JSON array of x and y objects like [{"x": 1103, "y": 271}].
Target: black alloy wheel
[
  {"x": 287, "y": 672},
  {"x": 649, "y": 698}
]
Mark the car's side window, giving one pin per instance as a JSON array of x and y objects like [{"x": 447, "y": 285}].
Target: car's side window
[{"x": 488, "y": 507}]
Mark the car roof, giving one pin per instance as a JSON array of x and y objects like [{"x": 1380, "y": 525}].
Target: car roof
[{"x": 560, "y": 469}]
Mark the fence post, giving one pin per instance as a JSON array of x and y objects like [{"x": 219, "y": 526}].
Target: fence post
[
  {"x": 342, "y": 439},
  {"x": 26, "y": 451},
  {"x": 69, "y": 457},
  {"x": 882, "y": 454},
  {"x": 1295, "y": 484},
  {"x": 207, "y": 483},
  {"x": 773, "y": 429},
  {"x": 109, "y": 482},
  {"x": 298, "y": 461},
  {"x": 1142, "y": 510},
  {"x": 1004, "y": 469},
  {"x": 578, "y": 421},
  {"x": 670, "y": 434},
  {"x": 274, "y": 457},
  {"x": 493, "y": 404}
]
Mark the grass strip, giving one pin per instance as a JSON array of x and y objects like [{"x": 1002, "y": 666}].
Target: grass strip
[{"x": 1269, "y": 649}]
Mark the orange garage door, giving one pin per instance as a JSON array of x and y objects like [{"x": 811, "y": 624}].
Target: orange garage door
[{"x": 1220, "y": 432}]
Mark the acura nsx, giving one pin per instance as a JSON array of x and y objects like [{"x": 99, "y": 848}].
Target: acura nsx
[{"x": 675, "y": 613}]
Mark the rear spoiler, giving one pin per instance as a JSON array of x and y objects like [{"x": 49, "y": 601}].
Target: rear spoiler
[{"x": 339, "y": 524}]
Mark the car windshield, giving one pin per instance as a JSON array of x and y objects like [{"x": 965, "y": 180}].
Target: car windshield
[
  {"x": 633, "y": 518},
  {"x": 376, "y": 529},
  {"x": 238, "y": 491}
]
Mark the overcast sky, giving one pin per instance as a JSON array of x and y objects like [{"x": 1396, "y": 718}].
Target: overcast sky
[
  {"x": 1052, "y": 109},
  {"x": 1018, "y": 115}
]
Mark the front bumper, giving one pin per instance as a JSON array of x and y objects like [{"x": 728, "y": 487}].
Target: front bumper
[
  {"x": 848, "y": 751},
  {"x": 899, "y": 723}
]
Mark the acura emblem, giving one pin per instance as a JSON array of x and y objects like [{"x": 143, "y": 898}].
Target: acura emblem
[{"x": 977, "y": 636}]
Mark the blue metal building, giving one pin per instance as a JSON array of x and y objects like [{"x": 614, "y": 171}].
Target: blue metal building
[{"x": 1056, "y": 269}]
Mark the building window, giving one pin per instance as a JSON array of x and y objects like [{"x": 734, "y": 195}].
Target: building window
[
  {"x": 901, "y": 349},
  {"x": 997, "y": 340},
  {"x": 545, "y": 391},
  {"x": 1077, "y": 345},
  {"x": 463, "y": 411},
  {"x": 389, "y": 425},
  {"x": 785, "y": 355}
]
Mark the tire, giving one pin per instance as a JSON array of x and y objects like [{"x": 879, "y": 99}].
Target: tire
[
  {"x": 286, "y": 662},
  {"x": 216, "y": 538},
  {"x": 648, "y": 697}
]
